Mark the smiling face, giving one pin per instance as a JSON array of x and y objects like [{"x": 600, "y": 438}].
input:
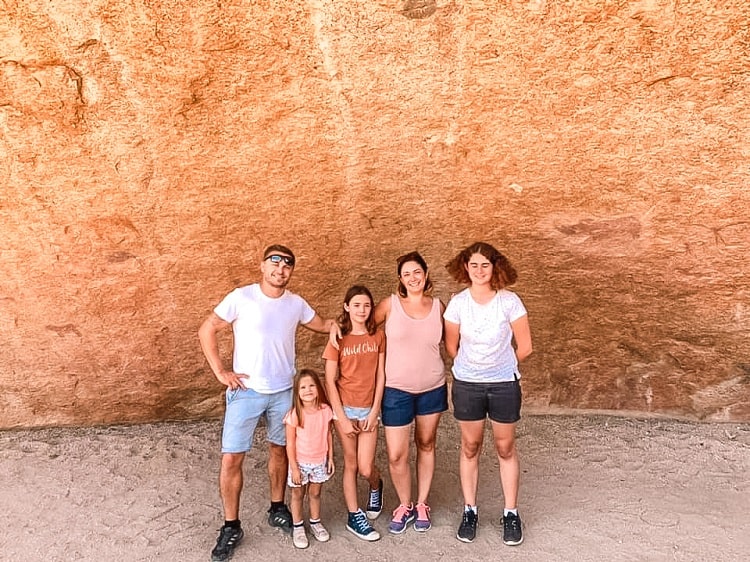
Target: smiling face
[
  {"x": 276, "y": 275},
  {"x": 413, "y": 277},
  {"x": 479, "y": 269},
  {"x": 308, "y": 390},
  {"x": 359, "y": 308}
]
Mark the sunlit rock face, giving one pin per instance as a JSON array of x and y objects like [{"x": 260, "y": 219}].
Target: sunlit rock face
[{"x": 150, "y": 150}]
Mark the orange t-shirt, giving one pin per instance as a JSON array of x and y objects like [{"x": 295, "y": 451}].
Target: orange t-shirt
[{"x": 357, "y": 358}]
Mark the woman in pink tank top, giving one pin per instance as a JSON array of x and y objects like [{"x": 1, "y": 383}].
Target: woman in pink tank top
[{"x": 416, "y": 388}]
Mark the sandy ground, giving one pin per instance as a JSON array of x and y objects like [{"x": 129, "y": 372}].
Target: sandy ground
[{"x": 593, "y": 488}]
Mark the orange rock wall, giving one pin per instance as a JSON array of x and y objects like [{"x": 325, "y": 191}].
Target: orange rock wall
[{"x": 150, "y": 149}]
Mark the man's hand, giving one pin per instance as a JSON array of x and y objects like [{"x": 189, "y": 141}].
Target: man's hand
[
  {"x": 334, "y": 335},
  {"x": 233, "y": 380}
]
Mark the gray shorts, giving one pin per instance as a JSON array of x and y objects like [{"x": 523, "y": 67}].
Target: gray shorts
[{"x": 474, "y": 401}]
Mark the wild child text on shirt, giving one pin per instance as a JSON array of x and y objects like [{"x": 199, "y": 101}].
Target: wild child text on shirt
[{"x": 363, "y": 347}]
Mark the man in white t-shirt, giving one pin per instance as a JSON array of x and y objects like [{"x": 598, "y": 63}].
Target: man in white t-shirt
[{"x": 264, "y": 318}]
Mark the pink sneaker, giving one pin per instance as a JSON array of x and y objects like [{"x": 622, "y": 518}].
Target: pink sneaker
[
  {"x": 402, "y": 516},
  {"x": 422, "y": 522}
]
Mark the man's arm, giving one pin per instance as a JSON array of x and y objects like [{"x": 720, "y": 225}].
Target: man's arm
[
  {"x": 211, "y": 326},
  {"x": 317, "y": 324}
]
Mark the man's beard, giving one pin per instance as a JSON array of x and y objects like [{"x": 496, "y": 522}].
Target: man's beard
[{"x": 274, "y": 282}]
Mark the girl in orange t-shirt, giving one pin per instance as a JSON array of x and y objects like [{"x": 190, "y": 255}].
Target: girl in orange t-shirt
[
  {"x": 309, "y": 447},
  {"x": 355, "y": 378}
]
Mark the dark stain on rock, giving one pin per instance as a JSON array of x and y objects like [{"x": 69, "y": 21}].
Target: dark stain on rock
[
  {"x": 119, "y": 257},
  {"x": 64, "y": 329},
  {"x": 419, "y": 9},
  {"x": 603, "y": 229}
]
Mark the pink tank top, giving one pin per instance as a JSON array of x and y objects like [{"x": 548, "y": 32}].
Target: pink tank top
[{"x": 412, "y": 357}]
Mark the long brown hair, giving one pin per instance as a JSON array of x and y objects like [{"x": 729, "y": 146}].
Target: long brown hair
[
  {"x": 345, "y": 321},
  {"x": 297, "y": 403},
  {"x": 503, "y": 273}
]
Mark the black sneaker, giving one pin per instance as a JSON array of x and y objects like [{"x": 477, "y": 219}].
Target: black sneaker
[
  {"x": 467, "y": 532},
  {"x": 512, "y": 533},
  {"x": 229, "y": 538},
  {"x": 280, "y": 518}
]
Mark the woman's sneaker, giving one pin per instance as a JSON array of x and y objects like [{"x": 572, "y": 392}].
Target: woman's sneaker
[
  {"x": 402, "y": 516},
  {"x": 299, "y": 537},
  {"x": 512, "y": 533},
  {"x": 422, "y": 523},
  {"x": 467, "y": 531},
  {"x": 360, "y": 526},
  {"x": 319, "y": 532},
  {"x": 375, "y": 503}
]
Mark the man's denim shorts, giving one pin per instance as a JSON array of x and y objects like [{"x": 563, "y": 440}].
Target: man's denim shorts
[{"x": 244, "y": 408}]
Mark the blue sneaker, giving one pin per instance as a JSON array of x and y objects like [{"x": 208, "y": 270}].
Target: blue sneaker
[
  {"x": 402, "y": 516},
  {"x": 422, "y": 523},
  {"x": 375, "y": 504},
  {"x": 360, "y": 526}
]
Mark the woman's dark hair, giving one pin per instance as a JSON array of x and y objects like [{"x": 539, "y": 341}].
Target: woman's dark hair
[
  {"x": 415, "y": 257},
  {"x": 503, "y": 273},
  {"x": 345, "y": 321}
]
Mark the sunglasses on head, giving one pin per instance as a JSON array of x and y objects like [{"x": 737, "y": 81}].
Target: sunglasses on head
[{"x": 278, "y": 258}]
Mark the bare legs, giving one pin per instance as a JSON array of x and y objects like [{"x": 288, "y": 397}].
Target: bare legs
[
  {"x": 295, "y": 503},
  {"x": 231, "y": 478},
  {"x": 425, "y": 434},
  {"x": 507, "y": 455},
  {"x": 397, "y": 444},
  {"x": 313, "y": 492},
  {"x": 504, "y": 434},
  {"x": 313, "y": 498},
  {"x": 278, "y": 466},
  {"x": 359, "y": 460},
  {"x": 230, "y": 484}
]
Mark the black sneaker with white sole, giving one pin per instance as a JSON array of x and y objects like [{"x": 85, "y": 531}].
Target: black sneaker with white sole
[
  {"x": 467, "y": 531},
  {"x": 281, "y": 518},
  {"x": 229, "y": 538},
  {"x": 512, "y": 533}
]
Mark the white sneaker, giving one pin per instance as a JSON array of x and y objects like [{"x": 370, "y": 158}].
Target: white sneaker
[
  {"x": 299, "y": 537},
  {"x": 319, "y": 532}
]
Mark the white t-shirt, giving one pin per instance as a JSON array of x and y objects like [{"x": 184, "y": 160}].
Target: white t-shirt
[
  {"x": 264, "y": 335},
  {"x": 485, "y": 353}
]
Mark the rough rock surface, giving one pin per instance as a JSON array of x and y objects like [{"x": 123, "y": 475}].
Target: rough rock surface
[{"x": 150, "y": 149}]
